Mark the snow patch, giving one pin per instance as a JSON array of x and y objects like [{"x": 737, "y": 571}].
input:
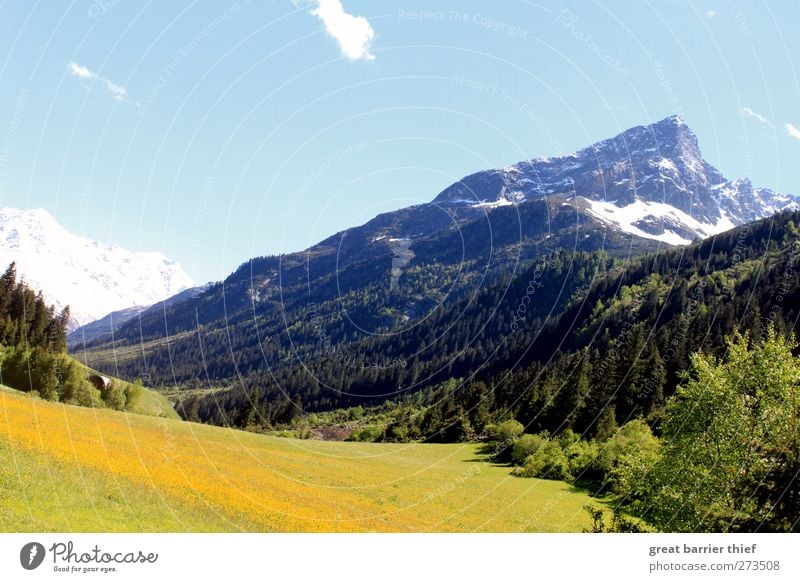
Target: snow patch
[
  {"x": 626, "y": 217},
  {"x": 493, "y": 204}
]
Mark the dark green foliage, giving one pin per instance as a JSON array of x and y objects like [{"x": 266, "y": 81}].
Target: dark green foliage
[
  {"x": 33, "y": 355},
  {"x": 26, "y": 319},
  {"x": 575, "y": 341},
  {"x": 620, "y": 523},
  {"x": 53, "y": 376}
]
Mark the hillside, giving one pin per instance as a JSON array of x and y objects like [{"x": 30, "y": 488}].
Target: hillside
[
  {"x": 430, "y": 292},
  {"x": 110, "y": 471},
  {"x": 146, "y": 401},
  {"x": 574, "y": 330}
]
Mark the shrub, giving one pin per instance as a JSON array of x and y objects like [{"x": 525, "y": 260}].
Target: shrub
[
  {"x": 506, "y": 432},
  {"x": 527, "y": 445},
  {"x": 115, "y": 397},
  {"x": 88, "y": 395},
  {"x": 44, "y": 369},
  {"x": 627, "y": 455},
  {"x": 133, "y": 392},
  {"x": 72, "y": 378},
  {"x": 367, "y": 434},
  {"x": 503, "y": 436},
  {"x": 15, "y": 370},
  {"x": 580, "y": 456},
  {"x": 548, "y": 462}
]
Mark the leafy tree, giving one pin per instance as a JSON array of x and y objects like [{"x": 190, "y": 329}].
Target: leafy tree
[
  {"x": 731, "y": 428},
  {"x": 627, "y": 456}
]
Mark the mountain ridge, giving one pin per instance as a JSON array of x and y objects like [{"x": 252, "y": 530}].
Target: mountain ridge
[
  {"x": 381, "y": 278},
  {"x": 91, "y": 277},
  {"x": 654, "y": 164}
]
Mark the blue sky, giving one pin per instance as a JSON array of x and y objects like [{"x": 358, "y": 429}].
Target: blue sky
[{"x": 218, "y": 131}]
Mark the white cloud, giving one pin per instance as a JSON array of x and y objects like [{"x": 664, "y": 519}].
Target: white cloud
[
  {"x": 792, "y": 131},
  {"x": 80, "y": 71},
  {"x": 353, "y": 33},
  {"x": 118, "y": 92},
  {"x": 711, "y": 14},
  {"x": 750, "y": 113}
]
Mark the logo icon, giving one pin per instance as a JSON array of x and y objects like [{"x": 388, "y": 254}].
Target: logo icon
[{"x": 31, "y": 555}]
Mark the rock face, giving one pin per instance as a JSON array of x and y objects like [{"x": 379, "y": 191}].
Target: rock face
[{"x": 650, "y": 181}]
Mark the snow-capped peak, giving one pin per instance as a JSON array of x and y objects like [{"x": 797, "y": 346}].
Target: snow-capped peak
[
  {"x": 661, "y": 186},
  {"x": 93, "y": 278}
]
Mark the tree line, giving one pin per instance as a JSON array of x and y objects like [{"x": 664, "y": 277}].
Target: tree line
[{"x": 33, "y": 358}]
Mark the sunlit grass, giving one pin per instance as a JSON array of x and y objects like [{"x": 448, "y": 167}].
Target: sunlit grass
[{"x": 74, "y": 469}]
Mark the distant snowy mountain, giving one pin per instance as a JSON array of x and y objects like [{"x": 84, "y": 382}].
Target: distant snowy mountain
[
  {"x": 649, "y": 181},
  {"x": 93, "y": 278}
]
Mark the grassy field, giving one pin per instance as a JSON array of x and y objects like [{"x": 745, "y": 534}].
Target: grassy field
[
  {"x": 148, "y": 401},
  {"x": 66, "y": 468}
]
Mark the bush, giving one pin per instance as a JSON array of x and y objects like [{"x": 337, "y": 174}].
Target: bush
[
  {"x": 15, "y": 370},
  {"x": 133, "y": 392},
  {"x": 44, "y": 373},
  {"x": 506, "y": 432},
  {"x": 71, "y": 380},
  {"x": 367, "y": 434},
  {"x": 580, "y": 456},
  {"x": 115, "y": 396},
  {"x": 88, "y": 395},
  {"x": 627, "y": 456},
  {"x": 548, "y": 462},
  {"x": 503, "y": 436},
  {"x": 527, "y": 445}
]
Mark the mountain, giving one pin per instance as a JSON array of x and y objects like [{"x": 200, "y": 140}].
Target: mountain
[
  {"x": 648, "y": 181},
  {"x": 599, "y": 339},
  {"x": 93, "y": 278},
  {"x": 369, "y": 310},
  {"x": 105, "y": 327}
]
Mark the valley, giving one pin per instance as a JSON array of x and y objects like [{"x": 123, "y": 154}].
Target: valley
[
  {"x": 65, "y": 468},
  {"x": 520, "y": 354}
]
